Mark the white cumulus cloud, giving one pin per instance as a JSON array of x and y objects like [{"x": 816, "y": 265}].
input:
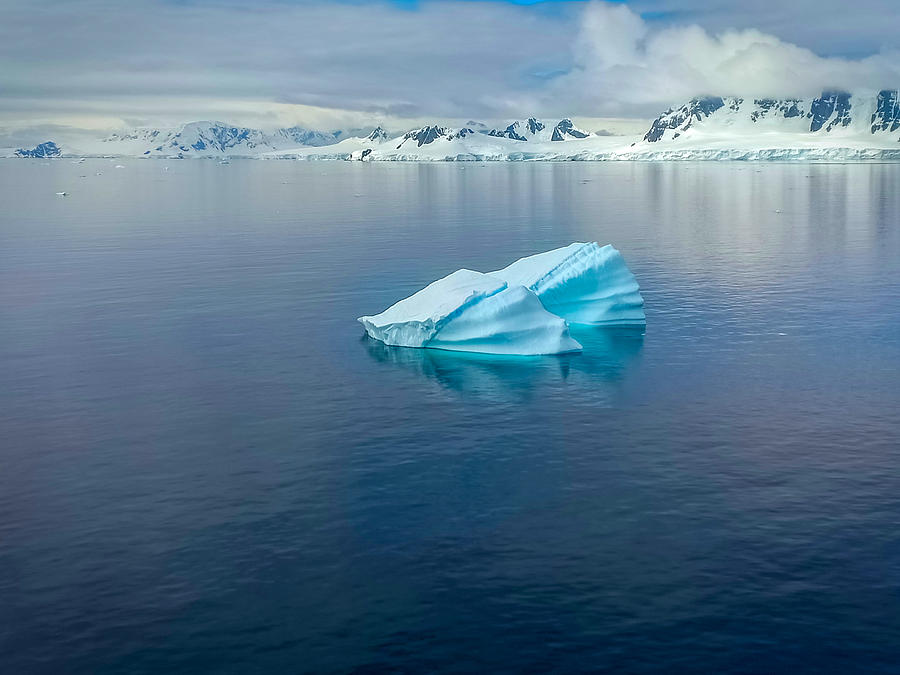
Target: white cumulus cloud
[{"x": 622, "y": 63}]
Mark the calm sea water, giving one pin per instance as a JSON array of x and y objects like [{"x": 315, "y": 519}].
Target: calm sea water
[{"x": 206, "y": 467}]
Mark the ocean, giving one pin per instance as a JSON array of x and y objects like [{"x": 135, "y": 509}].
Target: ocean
[{"x": 206, "y": 466}]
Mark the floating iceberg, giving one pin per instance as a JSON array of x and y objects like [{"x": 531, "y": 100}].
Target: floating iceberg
[
  {"x": 473, "y": 312},
  {"x": 522, "y": 309},
  {"x": 582, "y": 283}
]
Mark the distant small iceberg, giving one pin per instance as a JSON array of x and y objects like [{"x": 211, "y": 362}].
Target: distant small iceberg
[{"x": 524, "y": 309}]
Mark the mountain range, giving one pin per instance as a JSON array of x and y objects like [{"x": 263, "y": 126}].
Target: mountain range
[{"x": 834, "y": 125}]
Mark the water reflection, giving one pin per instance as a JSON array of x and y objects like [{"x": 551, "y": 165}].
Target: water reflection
[{"x": 598, "y": 372}]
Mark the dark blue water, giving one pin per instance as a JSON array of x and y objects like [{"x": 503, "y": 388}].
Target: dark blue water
[{"x": 205, "y": 466}]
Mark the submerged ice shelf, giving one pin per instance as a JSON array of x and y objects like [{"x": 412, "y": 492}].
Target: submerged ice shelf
[{"x": 523, "y": 309}]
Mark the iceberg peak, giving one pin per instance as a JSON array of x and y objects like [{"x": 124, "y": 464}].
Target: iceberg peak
[{"x": 584, "y": 283}]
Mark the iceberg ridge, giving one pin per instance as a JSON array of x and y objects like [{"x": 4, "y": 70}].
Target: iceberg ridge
[
  {"x": 584, "y": 283},
  {"x": 414, "y": 321}
]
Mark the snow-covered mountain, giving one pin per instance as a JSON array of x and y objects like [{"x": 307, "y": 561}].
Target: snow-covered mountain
[
  {"x": 378, "y": 135},
  {"x": 431, "y": 133},
  {"x": 533, "y": 129},
  {"x": 194, "y": 139},
  {"x": 835, "y": 114},
  {"x": 519, "y": 130},
  {"x": 565, "y": 130},
  {"x": 832, "y": 126},
  {"x": 520, "y": 140},
  {"x": 202, "y": 139}
]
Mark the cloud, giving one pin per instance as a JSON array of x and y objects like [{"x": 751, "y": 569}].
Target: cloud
[
  {"x": 448, "y": 59},
  {"x": 623, "y": 63},
  {"x": 275, "y": 62},
  {"x": 827, "y": 27}
]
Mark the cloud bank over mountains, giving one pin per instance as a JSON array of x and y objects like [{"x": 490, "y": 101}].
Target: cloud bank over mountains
[
  {"x": 270, "y": 63},
  {"x": 622, "y": 63}
]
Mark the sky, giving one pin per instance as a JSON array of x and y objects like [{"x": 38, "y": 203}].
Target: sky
[{"x": 105, "y": 64}]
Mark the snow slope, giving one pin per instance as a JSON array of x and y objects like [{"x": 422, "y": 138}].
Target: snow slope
[{"x": 359, "y": 147}]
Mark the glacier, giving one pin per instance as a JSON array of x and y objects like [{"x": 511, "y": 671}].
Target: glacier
[
  {"x": 473, "y": 312},
  {"x": 523, "y": 309},
  {"x": 584, "y": 283}
]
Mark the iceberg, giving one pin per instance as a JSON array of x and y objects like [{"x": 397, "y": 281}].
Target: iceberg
[
  {"x": 473, "y": 312},
  {"x": 523, "y": 309},
  {"x": 584, "y": 283}
]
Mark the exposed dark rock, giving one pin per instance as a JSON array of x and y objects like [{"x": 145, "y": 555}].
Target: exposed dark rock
[
  {"x": 424, "y": 136},
  {"x": 564, "y": 128},
  {"x": 462, "y": 133},
  {"x": 766, "y": 107},
  {"x": 48, "y": 149},
  {"x": 515, "y": 131},
  {"x": 697, "y": 109},
  {"x": 833, "y": 106},
  {"x": 887, "y": 111}
]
